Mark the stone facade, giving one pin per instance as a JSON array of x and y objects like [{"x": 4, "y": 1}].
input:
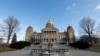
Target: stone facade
[{"x": 50, "y": 34}]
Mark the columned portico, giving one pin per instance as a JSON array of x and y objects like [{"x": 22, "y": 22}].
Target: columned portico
[{"x": 49, "y": 36}]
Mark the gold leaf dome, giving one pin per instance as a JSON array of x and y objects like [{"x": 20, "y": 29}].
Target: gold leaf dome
[{"x": 50, "y": 24}]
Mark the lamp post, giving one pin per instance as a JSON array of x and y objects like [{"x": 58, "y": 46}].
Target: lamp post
[{"x": 49, "y": 46}]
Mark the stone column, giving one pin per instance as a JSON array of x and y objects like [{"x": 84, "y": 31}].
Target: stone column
[{"x": 54, "y": 36}]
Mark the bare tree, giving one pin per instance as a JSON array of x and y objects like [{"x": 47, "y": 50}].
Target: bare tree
[
  {"x": 87, "y": 25},
  {"x": 11, "y": 26}
]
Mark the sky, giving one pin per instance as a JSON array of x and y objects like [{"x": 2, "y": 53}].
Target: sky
[{"x": 37, "y": 12}]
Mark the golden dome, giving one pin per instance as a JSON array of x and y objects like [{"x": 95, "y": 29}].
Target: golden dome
[{"x": 50, "y": 24}]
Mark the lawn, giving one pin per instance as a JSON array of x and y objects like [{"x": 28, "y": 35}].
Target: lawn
[
  {"x": 94, "y": 48},
  {"x": 4, "y": 48}
]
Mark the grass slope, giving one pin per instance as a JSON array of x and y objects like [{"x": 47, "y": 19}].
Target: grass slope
[
  {"x": 94, "y": 48},
  {"x": 4, "y": 48}
]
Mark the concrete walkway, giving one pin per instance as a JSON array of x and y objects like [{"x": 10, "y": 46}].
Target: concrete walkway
[
  {"x": 83, "y": 53},
  {"x": 71, "y": 53}
]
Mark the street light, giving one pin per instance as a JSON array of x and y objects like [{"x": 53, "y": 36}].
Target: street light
[{"x": 49, "y": 46}]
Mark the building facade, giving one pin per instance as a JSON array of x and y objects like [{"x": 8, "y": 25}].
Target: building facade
[{"x": 50, "y": 34}]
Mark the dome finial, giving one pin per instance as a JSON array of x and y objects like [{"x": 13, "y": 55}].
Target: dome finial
[
  {"x": 50, "y": 20},
  {"x": 30, "y": 25}
]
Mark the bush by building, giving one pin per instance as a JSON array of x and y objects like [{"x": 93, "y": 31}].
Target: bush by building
[
  {"x": 62, "y": 43},
  {"x": 36, "y": 43},
  {"x": 19, "y": 44},
  {"x": 80, "y": 45}
]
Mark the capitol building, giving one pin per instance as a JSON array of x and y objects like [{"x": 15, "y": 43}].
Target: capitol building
[{"x": 50, "y": 34}]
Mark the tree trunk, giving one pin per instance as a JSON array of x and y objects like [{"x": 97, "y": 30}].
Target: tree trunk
[
  {"x": 90, "y": 39},
  {"x": 8, "y": 39}
]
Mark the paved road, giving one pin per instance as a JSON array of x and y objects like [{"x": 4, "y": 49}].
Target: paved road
[{"x": 71, "y": 53}]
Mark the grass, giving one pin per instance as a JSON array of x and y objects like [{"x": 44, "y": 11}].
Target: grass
[
  {"x": 5, "y": 48},
  {"x": 94, "y": 48}
]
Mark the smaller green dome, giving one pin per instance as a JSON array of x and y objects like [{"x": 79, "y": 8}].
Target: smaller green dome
[
  {"x": 29, "y": 28},
  {"x": 69, "y": 27}
]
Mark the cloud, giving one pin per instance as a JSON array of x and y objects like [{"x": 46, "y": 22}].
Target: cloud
[
  {"x": 1, "y": 21},
  {"x": 98, "y": 7},
  {"x": 71, "y": 7}
]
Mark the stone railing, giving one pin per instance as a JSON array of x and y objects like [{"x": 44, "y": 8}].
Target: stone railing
[{"x": 48, "y": 52}]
